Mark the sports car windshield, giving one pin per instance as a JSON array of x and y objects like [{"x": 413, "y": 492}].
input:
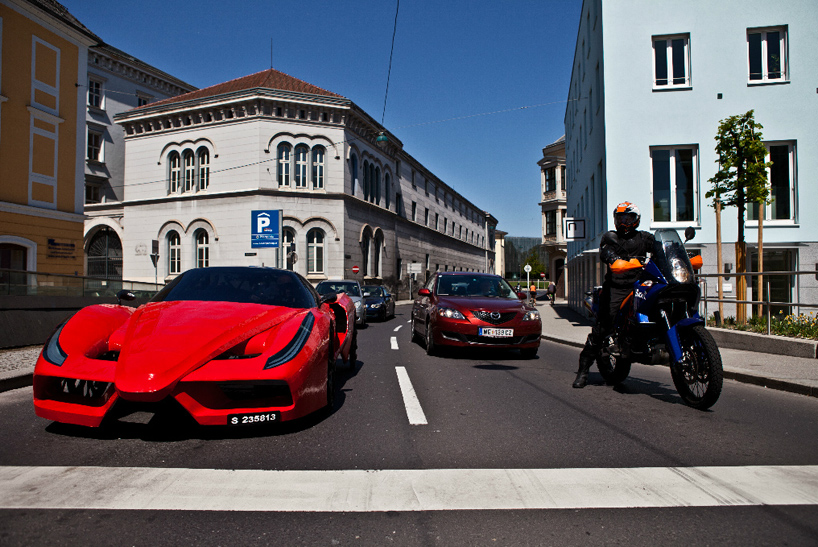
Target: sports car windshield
[
  {"x": 243, "y": 285},
  {"x": 474, "y": 285},
  {"x": 326, "y": 287}
]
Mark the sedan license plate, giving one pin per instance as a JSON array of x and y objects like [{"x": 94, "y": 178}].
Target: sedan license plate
[
  {"x": 250, "y": 419},
  {"x": 496, "y": 333}
]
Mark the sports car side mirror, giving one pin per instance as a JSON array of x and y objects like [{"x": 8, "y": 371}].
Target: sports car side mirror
[
  {"x": 328, "y": 298},
  {"x": 124, "y": 294}
]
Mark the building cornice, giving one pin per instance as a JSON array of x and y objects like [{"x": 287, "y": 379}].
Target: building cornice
[{"x": 14, "y": 208}]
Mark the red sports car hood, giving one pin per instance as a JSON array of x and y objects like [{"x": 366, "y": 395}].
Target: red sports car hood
[{"x": 165, "y": 341}]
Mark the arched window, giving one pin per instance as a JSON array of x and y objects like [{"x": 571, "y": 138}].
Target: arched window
[
  {"x": 387, "y": 188},
  {"x": 377, "y": 267},
  {"x": 202, "y": 249},
  {"x": 203, "y": 156},
  {"x": 105, "y": 255},
  {"x": 318, "y": 153},
  {"x": 354, "y": 168},
  {"x": 301, "y": 153},
  {"x": 366, "y": 180},
  {"x": 366, "y": 247},
  {"x": 289, "y": 248},
  {"x": 174, "y": 253},
  {"x": 284, "y": 150},
  {"x": 377, "y": 191},
  {"x": 190, "y": 171},
  {"x": 315, "y": 251},
  {"x": 174, "y": 172}
]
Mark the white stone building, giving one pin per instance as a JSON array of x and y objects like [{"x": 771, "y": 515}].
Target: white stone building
[
  {"x": 651, "y": 80},
  {"x": 553, "y": 206},
  {"x": 197, "y": 165}
]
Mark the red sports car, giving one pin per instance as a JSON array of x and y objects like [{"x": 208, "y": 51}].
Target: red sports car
[
  {"x": 475, "y": 310},
  {"x": 232, "y": 345}
]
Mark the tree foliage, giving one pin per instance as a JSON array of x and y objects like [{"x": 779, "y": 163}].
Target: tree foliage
[
  {"x": 533, "y": 260},
  {"x": 742, "y": 174}
]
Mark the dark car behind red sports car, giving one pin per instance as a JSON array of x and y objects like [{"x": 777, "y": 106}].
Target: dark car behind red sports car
[
  {"x": 231, "y": 345},
  {"x": 474, "y": 310}
]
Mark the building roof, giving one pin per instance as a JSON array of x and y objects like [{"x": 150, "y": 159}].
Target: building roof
[
  {"x": 111, "y": 51},
  {"x": 270, "y": 79},
  {"x": 57, "y": 10}
]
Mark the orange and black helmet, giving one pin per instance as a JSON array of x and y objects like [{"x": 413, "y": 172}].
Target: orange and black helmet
[{"x": 626, "y": 216}]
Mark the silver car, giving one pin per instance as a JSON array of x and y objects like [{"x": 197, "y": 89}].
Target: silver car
[{"x": 353, "y": 289}]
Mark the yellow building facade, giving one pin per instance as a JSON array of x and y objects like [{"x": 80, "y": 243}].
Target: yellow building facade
[{"x": 43, "y": 66}]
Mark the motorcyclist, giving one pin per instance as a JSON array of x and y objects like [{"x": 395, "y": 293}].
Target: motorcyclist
[{"x": 621, "y": 250}]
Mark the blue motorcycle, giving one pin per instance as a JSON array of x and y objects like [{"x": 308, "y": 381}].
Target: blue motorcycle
[{"x": 659, "y": 324}]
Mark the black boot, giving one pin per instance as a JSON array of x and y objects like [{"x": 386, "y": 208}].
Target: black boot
[{"x": 585, "y": 362}]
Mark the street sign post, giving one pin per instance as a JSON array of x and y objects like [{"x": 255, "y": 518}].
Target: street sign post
[
  {"x": 527, "y": 269},
  {"x": 265, "y": 231}
]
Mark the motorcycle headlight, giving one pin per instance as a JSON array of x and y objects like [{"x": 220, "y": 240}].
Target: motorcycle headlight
[
  {"x": 680, "y": 271},
  {"x": 449, "y": 313},
  {"x": 532, "y": 315}
]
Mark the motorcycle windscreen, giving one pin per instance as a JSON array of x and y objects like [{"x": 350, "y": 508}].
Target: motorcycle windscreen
[{"x": 670, "y": 257}]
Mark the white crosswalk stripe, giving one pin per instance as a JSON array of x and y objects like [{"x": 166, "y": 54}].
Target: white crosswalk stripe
[{"x": 403, "y": 490}]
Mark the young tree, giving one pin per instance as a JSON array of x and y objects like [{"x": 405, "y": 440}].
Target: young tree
[
  {"x": 741, "y": 179},
  {"x": 533, "y": 260}
]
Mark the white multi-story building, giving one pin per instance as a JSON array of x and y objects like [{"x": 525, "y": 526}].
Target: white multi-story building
[
  {"x": 651, "y": 80},
  {"x": 553, "y": 204},
  {"x": 117, "y": 82},
  {"x": 354, "y": 203}
]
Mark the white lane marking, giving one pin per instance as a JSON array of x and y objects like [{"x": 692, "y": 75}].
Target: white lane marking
[
  {"x": 413, "y": 410},
  {"x": 129, "y": 488},
  {"x": 396, "y": 329},
  {"x": 394, "y": 342}
]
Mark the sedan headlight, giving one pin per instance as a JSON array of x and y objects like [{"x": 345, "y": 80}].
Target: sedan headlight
[
  {"x": 375, "y": 306},
  {"x": 532, "y": 315},
  {"x": 449, "y": 313},
  {"x": 357, "y": 304}
]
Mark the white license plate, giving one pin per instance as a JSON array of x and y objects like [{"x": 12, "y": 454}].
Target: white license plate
[
  {"x": 251, "y": 419},
  {"x": 496, "y": 333}
]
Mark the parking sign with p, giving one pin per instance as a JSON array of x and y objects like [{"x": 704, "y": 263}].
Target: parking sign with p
[{"x": 264, "y": 231}]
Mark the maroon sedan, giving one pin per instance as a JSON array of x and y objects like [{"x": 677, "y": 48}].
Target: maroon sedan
[{"x": 465, "y": 309}]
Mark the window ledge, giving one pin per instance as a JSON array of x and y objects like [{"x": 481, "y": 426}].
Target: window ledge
[
  {"x": 762, "y": 83},
  {"x": 773, "y": 224},
  {"x": 673, "y": 88},
  {"x": 96, "y": 109},
  {"x": 316, "y": 277},
  {"x": 675, "y": 225},
  {"x": 95, "y": 162}
]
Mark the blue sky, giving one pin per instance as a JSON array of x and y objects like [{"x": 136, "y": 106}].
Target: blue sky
[{"x": 462, "y": 73}]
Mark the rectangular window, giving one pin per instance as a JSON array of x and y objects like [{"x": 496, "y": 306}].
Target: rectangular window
[
  {"x": 550, "y": 223},
  {"x": 781, "y": 177},
  {"x": 551, "y": 179},
  {"x": 92, "y": 193},
  {"x": 414, "y": 212},
  {"x": 437, "y": 221},
  {"x": 94, "y": 93},
  {"x": 671, "y": 61},
  {"x": 675, "y": 183},
  {"x": 767, "y": 54},
  {"x": 94, "y": 146},
  {"x": 426, "y": 218}
]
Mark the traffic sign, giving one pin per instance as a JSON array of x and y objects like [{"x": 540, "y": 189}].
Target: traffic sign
[
  {"x": 542, "y": 275},
  {"x": 264, "y": 229},
  {"x": 355, "y": 269},
  {"x": 527, "y": 268}
]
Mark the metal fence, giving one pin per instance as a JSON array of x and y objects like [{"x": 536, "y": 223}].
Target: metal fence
[
  {"x": 770, "y": 306},
  {"x": 25, "y": 283}
]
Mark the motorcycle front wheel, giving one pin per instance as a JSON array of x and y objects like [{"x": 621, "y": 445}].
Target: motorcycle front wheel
[
  {"x": 614, "y": 370},
  {"x": 698, "y": 376}
]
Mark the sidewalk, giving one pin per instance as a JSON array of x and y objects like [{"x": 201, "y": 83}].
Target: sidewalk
[{"x": 563, "y": 325}]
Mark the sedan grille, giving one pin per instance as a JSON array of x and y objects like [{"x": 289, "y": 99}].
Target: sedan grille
[{"x": 494, "y": 318}]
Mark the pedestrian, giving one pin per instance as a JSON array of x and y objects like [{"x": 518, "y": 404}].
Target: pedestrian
[
  {"x": 616, "y": 249},
  {"x": 552, "y": 292}
]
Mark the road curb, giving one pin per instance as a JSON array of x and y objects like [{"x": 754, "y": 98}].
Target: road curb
[{"x": 761, "y": 381}]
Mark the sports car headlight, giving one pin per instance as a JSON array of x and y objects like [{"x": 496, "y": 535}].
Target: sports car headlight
[
  {"x": 294, "y": 346},
  {"x": 532, "y": 315},
  {"x": 450, "y": 313},
  {"x": 53, "y": 352}
]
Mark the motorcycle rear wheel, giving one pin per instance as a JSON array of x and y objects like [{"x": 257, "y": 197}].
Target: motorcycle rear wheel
[
  {"x": 614, "y": 370},
  {"x": 698, "y": 376}
]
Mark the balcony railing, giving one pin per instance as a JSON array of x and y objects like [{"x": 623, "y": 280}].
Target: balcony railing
[{"x": 25, "y": 283}]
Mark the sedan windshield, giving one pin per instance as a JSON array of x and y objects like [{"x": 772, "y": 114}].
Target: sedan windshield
[
  {"x": 349, "y": 287},
  {"x": 243, "y": 285},
  {"x": 373, "y": 290},
  {"x": 474, "y": 285}
]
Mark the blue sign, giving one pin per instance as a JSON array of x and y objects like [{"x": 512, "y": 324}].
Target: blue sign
[{"x": 264, "y": 229}]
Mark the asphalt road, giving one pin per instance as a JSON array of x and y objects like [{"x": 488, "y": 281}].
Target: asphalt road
[{"x": 483, "y": 412}]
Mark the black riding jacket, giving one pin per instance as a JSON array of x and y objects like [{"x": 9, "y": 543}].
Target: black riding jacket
[{"x": 616, "y": 245}]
